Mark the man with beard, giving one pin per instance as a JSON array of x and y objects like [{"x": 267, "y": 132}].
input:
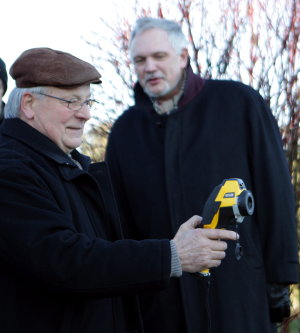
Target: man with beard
[{"x": 183, "y": 136}]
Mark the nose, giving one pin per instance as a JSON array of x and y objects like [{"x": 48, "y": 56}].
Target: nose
[
  {"x": 150, "y": 65},
  {"x": 84, "y": 113}
]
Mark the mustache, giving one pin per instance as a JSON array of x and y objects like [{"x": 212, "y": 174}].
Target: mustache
[{"x": 154, "y": 76}]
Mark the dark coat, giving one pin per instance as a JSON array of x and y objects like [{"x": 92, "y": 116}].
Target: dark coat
[
  {"x": 63, "y": 266},
  {"x": 165, "y": 167}
]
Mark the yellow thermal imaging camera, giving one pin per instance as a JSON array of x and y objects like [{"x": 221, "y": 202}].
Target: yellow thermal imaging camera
[{"x": 227, "y": 205}]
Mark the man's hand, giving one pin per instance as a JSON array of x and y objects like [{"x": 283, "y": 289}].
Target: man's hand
[{"x": 199, "y": 249}]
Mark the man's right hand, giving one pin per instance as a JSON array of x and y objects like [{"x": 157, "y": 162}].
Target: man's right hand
[{"x": 199, "y": 249}]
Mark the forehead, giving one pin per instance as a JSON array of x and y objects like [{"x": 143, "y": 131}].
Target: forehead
[
  {"x": 151, "y": 41},
  {"x": 74, "y": 91}
]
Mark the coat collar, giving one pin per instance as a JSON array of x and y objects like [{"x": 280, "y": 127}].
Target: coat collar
[{"x": 19, "y": 130}]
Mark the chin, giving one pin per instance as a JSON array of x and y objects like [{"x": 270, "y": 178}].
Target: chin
[
  {"x": 73, "y": 145},
  {"x": 156, "y": 94}
]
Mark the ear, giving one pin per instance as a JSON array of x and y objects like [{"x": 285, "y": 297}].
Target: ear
[
  {"x": 184, "y": 58},
  {"x": 26, "y": 107}
]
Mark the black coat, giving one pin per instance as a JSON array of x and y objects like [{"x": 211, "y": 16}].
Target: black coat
[
  {"x": 165, "y": 167},
  {"x": 63, "y": 265}
]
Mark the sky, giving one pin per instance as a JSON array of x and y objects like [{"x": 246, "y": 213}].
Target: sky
[{"x": 58, "y": 24}]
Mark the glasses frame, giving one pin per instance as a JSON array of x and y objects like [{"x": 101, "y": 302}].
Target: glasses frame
[{"x": 86, "y": 102}]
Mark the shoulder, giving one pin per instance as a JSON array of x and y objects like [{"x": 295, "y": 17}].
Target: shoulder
[
  {"x": 13, "y": 160},
  {"x": 232, "y": 86},
  {"x": 20, "y": 161},
  {"x": 20, "y": 170},
  {"x": 12, "y": 155},
  {"x": 235, "y": 95}
]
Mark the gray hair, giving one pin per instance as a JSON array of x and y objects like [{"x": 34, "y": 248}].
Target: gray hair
[
  {"x": 173, "y": 29},
  {"x": 12, "y": 108}
]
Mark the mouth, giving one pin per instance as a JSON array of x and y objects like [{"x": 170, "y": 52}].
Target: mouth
[
  {"x": 75, "y": 129},
  {"x": 153, "y": 80}
]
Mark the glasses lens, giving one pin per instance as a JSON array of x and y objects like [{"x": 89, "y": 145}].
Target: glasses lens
[
  {"x": 91, "y": 103},
  {"x": 77, "y": 105}
]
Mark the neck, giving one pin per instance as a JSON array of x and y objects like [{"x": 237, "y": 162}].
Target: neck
[{"x": 168, "y": 103}]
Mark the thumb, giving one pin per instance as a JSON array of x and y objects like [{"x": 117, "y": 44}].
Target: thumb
[{"x": 193, "y": 222}]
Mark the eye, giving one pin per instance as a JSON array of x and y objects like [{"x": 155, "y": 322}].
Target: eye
[
  {"x": 160, "y": 55},
  {"x": 73, "y": 100},
  {"x": 139, "y": 60}
]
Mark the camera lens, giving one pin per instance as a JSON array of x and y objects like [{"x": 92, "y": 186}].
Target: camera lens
[{"x": 246, "y": 203}]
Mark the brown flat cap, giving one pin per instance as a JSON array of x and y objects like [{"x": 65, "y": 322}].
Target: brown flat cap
[{"x": 46, "y": 67}]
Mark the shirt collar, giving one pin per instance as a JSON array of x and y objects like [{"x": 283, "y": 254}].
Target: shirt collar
[{"x": 170, "y": 105}]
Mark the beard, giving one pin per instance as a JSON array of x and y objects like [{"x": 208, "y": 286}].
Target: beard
[{"x": 167, "y": 89}]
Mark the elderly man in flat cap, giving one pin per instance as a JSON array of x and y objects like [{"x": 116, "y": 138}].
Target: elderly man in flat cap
[{"x": 64, "y": 266}]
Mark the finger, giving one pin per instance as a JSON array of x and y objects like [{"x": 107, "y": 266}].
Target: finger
[
  {"x": 216, "y": 258},
  {"x": 215, "y": 263},
  {"x": 218, "y": 255},
  {"x": 217, "y": 245},
  {"x": 222, "y": 234}
]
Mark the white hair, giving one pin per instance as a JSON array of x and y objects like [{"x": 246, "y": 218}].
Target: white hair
[
  {"x": 12, "y": 108},
  {"x": 176, "y": 37}
]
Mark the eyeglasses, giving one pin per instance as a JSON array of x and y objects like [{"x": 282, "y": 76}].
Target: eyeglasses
[{"x": 75, "y": 105}]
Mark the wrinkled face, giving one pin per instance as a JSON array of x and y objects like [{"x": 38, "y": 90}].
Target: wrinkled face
[
  {"x": 158, "y": 67},
  {"x": 54, "y": 119}
]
